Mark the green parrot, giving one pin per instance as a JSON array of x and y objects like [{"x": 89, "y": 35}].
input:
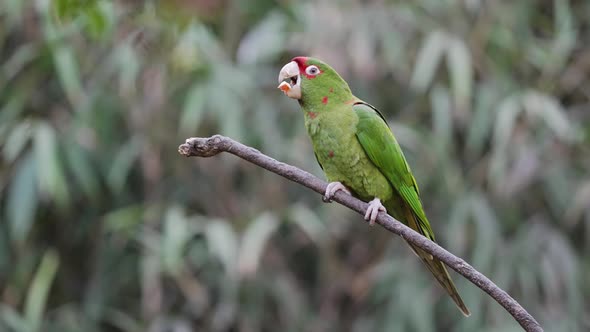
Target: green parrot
[{"x": 359, "y": 154}]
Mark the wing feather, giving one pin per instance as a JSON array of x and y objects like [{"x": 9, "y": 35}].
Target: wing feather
[{"x": 384, "y": 151}]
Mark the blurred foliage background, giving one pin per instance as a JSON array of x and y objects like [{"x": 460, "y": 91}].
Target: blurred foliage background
[{"x": 106, "y": 228}]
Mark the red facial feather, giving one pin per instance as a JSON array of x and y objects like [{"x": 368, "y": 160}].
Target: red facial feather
[
  {"x": 302, "y": 63},
  {"x": 325, "y": 100}
]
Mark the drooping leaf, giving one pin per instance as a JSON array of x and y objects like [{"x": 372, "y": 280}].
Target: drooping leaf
[
  {"x": 264, "y": 41},
  {"x": 22, "y": 200},
  {"x": 254, "y": 241},
  {"x": 459, "y": 66},
  {"x": 50, "y": 173},
  {"x": 83, "y": 170},
  {"x": 175, "y": 236},
  {"x": 194, "y": 109},
  {"x": 309, "y": 222},
  {"x": 68, "y": 73},
  {"x": 428, "y": 60},
  {"x": 122, "y": 164},
  {"x": 440, "y": 103},
  {"x": 124, "y": 220},
  {"x": 223, "y": 243},
  {"x": 17, "y": 140},
  {"x": 39, "y": 290}
]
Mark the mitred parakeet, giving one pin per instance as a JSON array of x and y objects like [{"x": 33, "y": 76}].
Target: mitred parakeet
[{"x": 359, "y": 154}]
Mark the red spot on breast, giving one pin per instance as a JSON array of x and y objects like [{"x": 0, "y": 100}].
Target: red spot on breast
[
  {"x": 312, "y": 114},
  {"x": 325, "y": 100},
  {"x": 331, "y": 154}
]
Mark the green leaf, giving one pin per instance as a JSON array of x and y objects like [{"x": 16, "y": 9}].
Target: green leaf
[
  {"x": 13, "y": 9},
  {"x": 487, "y": 230},
  {"x": 63, "y": 9},
  {"x": 97, "y": 20},
  {"x": 50, "y": 172},
  {"x": 22, "y": 199},
  {"x": 440, "y": 102},
  {"x": 459, "y": 66},
  {"x": 546, "y": 107},
  {"x": 264, "y": 41},
  {"x": 483, "y": 120},
  {"x": 126, "y": 219},
  {"x": 579, "y": 204},
  {"x": 39, "y": 290},
  {"x": 22, "y": 57},
  {"x": 428, "y": 60},
  {"x": 11, "y": 318},
  {"x": 194, "y": 109},
  {"x": 122, "y": 164},
  {"x": 82, "y": 170},
  {"x": 17, "y": 140},
  {"x": 12, "y": 108},
  {"x": 186, "y": 54},
  {"x": 230, "y": 113},
  {"x": 508, "y": 111},
  {"x": 127, "y": 63},
  {"x": 253, "y": 242},
  {"x": 68, "y": 73},
  {"x": 121, "y": 320},
  {"x": 223, "y": 243},
  {"x": 175, "y": 236},
  {"x": 309, "y": 222}
]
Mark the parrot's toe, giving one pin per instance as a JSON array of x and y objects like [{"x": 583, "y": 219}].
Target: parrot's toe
[
  {"x": 373, "y": 210},
  {"x": 332, "y": 188}
]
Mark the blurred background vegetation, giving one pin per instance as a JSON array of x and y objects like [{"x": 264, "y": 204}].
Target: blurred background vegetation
[{"x": 106, "y": 228}]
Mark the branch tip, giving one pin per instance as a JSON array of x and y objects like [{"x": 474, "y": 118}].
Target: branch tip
[{"x": 201, "y": 146}]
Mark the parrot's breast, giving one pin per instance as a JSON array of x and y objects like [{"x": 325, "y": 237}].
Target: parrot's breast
[{"x": 333, "y": 135}]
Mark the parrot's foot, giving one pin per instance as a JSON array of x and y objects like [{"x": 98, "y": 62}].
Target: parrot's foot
[
  {"x": 332, "y": 188},
  {"x": 373, "y": 210}
]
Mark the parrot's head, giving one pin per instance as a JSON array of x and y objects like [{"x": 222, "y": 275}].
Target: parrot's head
[{"x": 312, "y": 81}]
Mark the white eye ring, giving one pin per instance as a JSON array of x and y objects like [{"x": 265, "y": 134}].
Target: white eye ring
[{"x": 312, "y": 70}]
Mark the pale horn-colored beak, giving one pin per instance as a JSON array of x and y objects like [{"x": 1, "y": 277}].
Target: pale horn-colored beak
[{"x": 290, "y": 80}]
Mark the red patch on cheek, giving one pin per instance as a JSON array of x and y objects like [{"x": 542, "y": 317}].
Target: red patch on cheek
[
  {"x": 325, "y": 100},
  {"x": 312, "y": 114},
  {"x": 331, "y": 154}
]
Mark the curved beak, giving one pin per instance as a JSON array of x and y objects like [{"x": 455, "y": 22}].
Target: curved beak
[{"x": 290, "y": 80}]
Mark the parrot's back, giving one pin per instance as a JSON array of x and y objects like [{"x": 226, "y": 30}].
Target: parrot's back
[{"x": 354, "y": 146}]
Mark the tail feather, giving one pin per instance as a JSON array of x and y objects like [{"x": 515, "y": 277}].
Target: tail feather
[{"x": 437, "y": 268}]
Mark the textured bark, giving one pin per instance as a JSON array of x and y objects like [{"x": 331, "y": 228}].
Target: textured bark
[{"x": 210, "y": 146}]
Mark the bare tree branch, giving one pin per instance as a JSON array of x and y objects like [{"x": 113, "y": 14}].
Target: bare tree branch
[{"x": 210, "y": 146}]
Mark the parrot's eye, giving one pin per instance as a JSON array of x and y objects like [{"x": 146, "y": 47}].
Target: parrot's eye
[{"x": 312, "y": 70}]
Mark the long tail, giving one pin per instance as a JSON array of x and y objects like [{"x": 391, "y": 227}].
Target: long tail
[{"x": 437, "y": 267}]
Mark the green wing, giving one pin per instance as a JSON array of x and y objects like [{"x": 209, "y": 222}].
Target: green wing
[{"x": 383, "y": 150}]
